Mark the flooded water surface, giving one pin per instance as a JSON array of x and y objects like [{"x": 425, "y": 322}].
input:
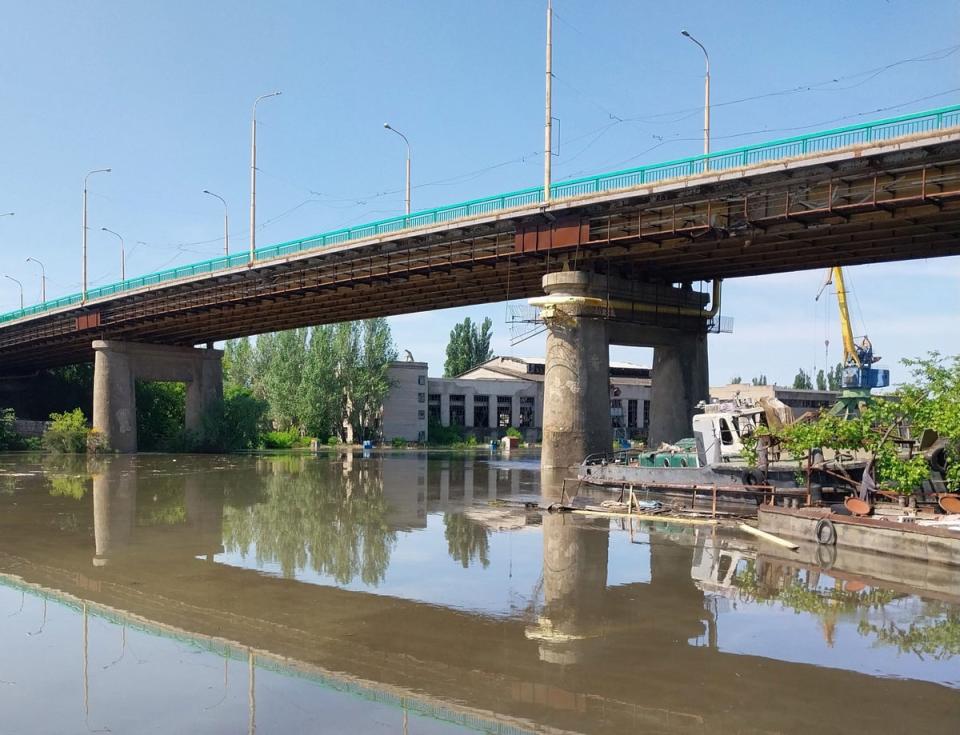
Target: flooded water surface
[{"x": 419, "y": 593}]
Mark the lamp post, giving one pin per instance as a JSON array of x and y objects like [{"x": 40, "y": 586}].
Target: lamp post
[
  {"x": 253, "y": 175},
  {"x": 11, "y": 278},
  {"x": 706, "y": 98},
  {"x": 123, "y": 256},
  {"x": 43, "y": 279},
  {"x": 407, "y": 198},
  {"x": 226, "y": 222},
  {"x": 83, "y": 293},
  {"x": 548, "y": 99}
]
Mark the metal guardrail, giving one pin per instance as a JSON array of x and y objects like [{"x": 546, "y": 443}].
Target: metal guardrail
[{"x": 751, "y": 155}]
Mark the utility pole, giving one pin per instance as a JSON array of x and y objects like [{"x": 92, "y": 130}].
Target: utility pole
[
  {"x": 706, "y": 99},
  {"x": 83, "y": 292},
  {"x": 226, "y": 222},
  {"x": 548, "y": 120},
  {"x": 407, "y": 198},
  {"x": 43, "y": 279},
  {"x": 253, "y": 175}
]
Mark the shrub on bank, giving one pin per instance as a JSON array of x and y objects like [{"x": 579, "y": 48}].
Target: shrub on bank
[
  {"x": 67, "y": 432},
  {"x": 9, "y": 438}
]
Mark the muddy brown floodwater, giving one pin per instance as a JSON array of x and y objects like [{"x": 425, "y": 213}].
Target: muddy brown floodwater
[{"x": 387, "y": 594}]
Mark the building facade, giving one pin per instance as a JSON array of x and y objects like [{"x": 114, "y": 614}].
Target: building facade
[{"x": 501, "y": 393}]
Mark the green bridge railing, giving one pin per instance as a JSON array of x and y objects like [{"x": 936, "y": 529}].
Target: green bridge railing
[{"x": 750, "y": 155}]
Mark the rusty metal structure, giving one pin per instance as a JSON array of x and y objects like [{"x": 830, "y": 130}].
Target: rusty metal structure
[{"x": 892, "y": 199}]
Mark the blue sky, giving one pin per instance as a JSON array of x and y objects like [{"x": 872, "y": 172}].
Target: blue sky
[{"x": 161, "y": 92}]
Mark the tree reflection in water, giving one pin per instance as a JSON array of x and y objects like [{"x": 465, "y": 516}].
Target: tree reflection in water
[
  {"x": 934, "y": 629},
  {"x": 466, "y": 539},
  {"x": 325, "y": 516}
]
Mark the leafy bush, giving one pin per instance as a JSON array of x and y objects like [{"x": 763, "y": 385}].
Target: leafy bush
[
  {"x": 234, "y": 423},
  {"x": 398, "y": 442},
  {"x": 281, "y": 439},
  {"x": 514, "y": 433},
  {"x": 9, "y": 439},
  {"x": 442, "y": 435},
  {"x": 160, "y": 414},
  {"x": 332, "y": 441},
  {"x": 67, "y": 432}
]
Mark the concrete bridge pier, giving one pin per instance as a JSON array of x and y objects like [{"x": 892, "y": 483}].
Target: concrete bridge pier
[
  {"x": 680, "y": 381},
  {"x": 117, "y": 367},
  {"x": 586, "y": 313}
]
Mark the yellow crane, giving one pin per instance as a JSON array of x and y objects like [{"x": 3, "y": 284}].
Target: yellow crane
[{"x": 859, "y": 375}]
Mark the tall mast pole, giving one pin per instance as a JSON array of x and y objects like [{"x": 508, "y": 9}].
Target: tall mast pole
[{"x": 548, "y": 120}]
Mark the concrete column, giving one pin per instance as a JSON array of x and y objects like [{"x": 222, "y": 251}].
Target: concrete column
[
  {"x": 468, "y": 407},
  {"x": 680, "y": 381},
  {"x": 114, "y": 398},
  {"x": 493, "y": 412},
  {"x": 515, "y": 410},
  {"x": 445, "y": 409},
  {"x": 576, "y": 404}
]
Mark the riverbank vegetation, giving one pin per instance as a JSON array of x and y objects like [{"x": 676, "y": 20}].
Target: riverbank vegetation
[{"x": 931, "y": 400}]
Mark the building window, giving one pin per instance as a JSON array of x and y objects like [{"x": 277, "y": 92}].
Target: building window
[
  {"x": 535, "y": 368},
  {"x": 421, "y": 414},
  {"x": 458, "y": 413},
  {"x": 526, "y": 412},
  {"x": 481, "y": 411},
  {"x": 421, "y": 397},
  {"x": 616, "y": 413},
  {"x": 504, "y": 411},
  {"x": 434, "y": 407},
  {"x": 421, "y": 380},
  {"x": 646, "y": 414},
  {"x": 632, "y": 413}
]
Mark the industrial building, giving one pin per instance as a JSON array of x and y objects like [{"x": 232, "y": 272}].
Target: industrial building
[{"x": 508, "y": 391}]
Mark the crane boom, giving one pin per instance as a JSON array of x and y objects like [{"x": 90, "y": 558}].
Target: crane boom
[{"x": 850, "y": 353}]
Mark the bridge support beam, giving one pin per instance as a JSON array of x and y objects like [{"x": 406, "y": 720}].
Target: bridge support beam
[
  {"x": 586, "y": 313},
  {"x": 117, "y": 367}
]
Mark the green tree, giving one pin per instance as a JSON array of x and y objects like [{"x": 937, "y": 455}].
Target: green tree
[
  {"x": 371, "y": 383},
  {"x": 283, "y": 377},
  {"x": 835, "y": 377},
  {"x": 160, "y": 414},
  {"x": 759, "y": 380},
  {"x": 821, "y": 380},
  {"x": 238, "y": 363},
  {"x": 802, "y": 380},
  {"x": 320, "y": 392},
  {"x": 469, "y": 346},
  {"x": 736, "y": 380}
]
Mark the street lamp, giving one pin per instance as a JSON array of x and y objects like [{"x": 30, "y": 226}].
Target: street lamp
[
  {"x": 83, "y": 293},
  {"x": 253, "y": 175},
  {"x": 548, "y": 104},
  {"x": 706, "y": 97},
  {"x": 123, "y": 257},
  {"x": 407, "y": 199},
  {"x": 43, "y": 279},
  {"x": 21, "y": 288},
  {"x": 226, "y": 222}
]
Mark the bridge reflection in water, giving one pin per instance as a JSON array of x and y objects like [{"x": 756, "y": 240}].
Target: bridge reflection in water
[{"x": 154, "y": 549}]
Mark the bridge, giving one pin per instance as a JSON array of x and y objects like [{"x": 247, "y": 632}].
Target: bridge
[{"x": 613, "y": 247}]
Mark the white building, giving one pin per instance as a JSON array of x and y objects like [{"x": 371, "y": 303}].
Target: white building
[{"x": 501, "y": 393}]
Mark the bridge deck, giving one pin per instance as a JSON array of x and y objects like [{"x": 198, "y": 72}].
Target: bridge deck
[{"x": 881, "y": 191}]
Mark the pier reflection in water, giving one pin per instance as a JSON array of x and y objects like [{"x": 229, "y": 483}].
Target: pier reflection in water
[{"x": 292, "y": 593}]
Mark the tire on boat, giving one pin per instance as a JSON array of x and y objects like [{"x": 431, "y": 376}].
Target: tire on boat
[
  {"x": 825, "y": 532},
  {"x": 752, "y": 477}
]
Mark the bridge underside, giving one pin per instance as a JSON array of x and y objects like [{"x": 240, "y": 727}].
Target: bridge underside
[{"x": 897, "y": 205}]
